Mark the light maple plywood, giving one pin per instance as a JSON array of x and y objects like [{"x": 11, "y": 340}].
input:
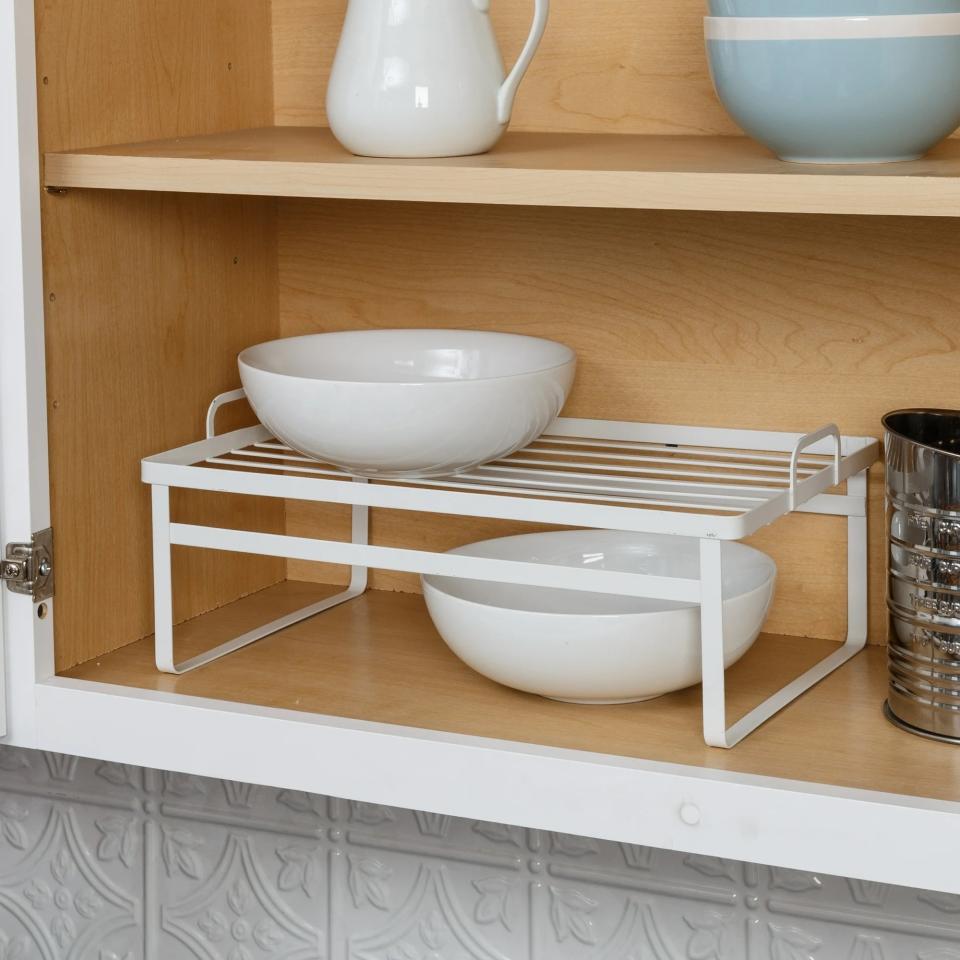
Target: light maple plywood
[
  {"x": 761, "y": 322},
  {"x": 609, "y": 66},
  {"x": 148, "y": 298},
  {"x": 526, "y": 169},
  {"x": 146, "y": 313},
  {"x": 379, "y": 659},
  {"x": 754, "y": 321},
  {"x": 111, "y": 71}
]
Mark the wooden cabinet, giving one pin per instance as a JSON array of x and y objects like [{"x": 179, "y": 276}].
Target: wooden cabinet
[{"x": 194, "y": 205}]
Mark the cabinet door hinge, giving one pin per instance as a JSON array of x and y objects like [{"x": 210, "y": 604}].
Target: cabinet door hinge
[{"x": 27, "y": 568}]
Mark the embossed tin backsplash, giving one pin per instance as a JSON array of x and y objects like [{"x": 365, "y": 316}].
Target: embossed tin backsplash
[{"x": 101, "y": 861}]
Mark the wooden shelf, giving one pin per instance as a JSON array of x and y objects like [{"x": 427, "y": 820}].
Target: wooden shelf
[
  {"x": 379, "y": 659},
  {"x": 564, "y": 170}
]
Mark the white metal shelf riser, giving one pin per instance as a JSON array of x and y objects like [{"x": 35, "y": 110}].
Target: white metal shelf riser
[{"x": 709, "y": 483}]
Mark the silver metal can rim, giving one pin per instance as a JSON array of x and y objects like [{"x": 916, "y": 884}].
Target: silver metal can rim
[{"x": 887, "y": 419}]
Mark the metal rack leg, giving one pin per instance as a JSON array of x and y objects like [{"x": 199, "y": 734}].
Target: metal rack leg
[
  {"x": 162, "y": 577},
  {"x": 163, "y": 592},
  {"x": 715, "y": 731},
  {"x": 857, "y": 567},
  {"x": 711, "y": 643}
]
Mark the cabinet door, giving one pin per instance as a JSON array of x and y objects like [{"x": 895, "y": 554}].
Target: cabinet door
[{"x": 27, "y": 639}]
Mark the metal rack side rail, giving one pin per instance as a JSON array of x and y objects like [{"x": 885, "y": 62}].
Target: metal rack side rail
[{"x": 810, "y": 464}]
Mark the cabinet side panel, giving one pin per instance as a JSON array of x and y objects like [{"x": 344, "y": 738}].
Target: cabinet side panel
[
  {"x": 149, "y": 298},
  {"x": 115, "y": 71},
  {"x": 768, "y": 322}
]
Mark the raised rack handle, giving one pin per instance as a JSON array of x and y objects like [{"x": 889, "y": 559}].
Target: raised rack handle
[
  {"x": 830, "y": 430},
  {"x": 231, "y": 396}
]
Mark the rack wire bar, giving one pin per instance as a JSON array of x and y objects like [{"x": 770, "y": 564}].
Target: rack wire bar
[{"x": 711, "y": 483}]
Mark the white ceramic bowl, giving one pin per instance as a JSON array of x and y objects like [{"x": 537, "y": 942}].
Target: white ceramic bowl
[
  {"x": 407, "y": 403},
  {"x": 590, "y": 647},
  {"x": 870, "y": 89}
]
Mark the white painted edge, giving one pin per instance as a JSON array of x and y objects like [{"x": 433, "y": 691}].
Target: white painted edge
[
  {"x": 869, "y": 835},
  {"x": 24, "y": 478},
  {"x": 832, "y": 28}
]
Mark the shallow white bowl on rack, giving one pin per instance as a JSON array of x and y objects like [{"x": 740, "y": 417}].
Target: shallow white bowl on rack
[
  {"x": 407, "y": 403},
  {"x": 590, "y": 647}
]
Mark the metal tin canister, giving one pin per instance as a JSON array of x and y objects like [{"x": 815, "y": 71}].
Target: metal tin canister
[{"x": 923, "y": 517}]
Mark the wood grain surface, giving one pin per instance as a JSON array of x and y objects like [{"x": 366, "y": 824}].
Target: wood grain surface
[
  {"x": 114, "y": 71},
  {"x": 149, "y": 298},
  {"x": 146, "y": 312},
  {"x": 739, "y": 320},
  {"x": 604, "y": 66},
  {"x": 524, "y": 169},
  {"x": 396, "y": 669},
  {"x": 762, "y": 322},
  {"x": 609, "y": 66}
]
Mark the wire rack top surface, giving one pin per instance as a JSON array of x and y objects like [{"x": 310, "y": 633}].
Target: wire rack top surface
[{"x": 706, "y": 482}]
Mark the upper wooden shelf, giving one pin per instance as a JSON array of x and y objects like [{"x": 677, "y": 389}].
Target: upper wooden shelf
[{"x": 534, "y": 169}]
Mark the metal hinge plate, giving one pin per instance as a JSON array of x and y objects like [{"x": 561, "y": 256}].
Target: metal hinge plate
[{"x": 27, "y": 568}]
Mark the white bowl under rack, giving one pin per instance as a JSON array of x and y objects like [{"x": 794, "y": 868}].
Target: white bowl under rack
[{"x": 710, "y": 483}]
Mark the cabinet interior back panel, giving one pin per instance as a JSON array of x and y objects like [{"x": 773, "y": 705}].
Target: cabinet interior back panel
[
  {"x": 609, "y": 66},
  {"x": 606, "y": 66},
  {"x": 149, "y": 297},
  {"x": 768, "y": 322}
]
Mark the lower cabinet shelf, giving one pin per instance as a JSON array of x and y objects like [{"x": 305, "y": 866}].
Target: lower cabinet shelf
[
  {"x": 367, "y": 702},
  {"x": 380, "y": 659}
]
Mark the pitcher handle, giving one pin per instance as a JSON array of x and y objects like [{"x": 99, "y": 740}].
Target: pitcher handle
[{"x": 508, "y": 90}]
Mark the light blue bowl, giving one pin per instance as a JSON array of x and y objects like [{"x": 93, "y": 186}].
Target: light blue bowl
[
  {"x": 828, "y": 8},
  {"x": 841, "y": 101}
]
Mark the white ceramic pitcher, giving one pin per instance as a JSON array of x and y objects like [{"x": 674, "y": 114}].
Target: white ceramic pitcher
[{"x": 423, "y": 78}]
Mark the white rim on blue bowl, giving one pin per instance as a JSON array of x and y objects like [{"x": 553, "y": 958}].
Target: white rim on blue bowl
[{"x": 832, "y": 28}]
